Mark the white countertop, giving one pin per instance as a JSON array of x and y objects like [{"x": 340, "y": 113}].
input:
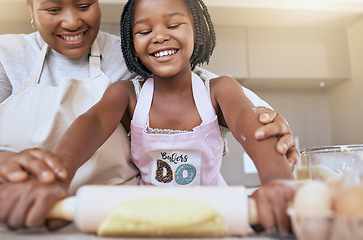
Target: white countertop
[{"x": 71, "y": 233}]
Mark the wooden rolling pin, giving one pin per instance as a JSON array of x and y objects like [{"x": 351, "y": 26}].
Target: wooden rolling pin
[{"x": 92, "y": 204}]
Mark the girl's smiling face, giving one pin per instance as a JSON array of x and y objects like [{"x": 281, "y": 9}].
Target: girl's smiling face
[
  {"x": 163, "y": 35},
  {"x": 67, "y": 26}
]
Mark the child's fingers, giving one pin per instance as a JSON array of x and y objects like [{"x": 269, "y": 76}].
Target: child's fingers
[
  {"x": 52, "y": 162},
  {"x": 12, "y": 171},
  {"x": 43, "y": 164},
  {"x": 34, "y": 165},
  {"x": 266, "y": 214},
  {"x": 282, "y": 219}
]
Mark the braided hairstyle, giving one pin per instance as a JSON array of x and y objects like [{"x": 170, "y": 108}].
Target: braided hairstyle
[{"x": 204, "y": 43}]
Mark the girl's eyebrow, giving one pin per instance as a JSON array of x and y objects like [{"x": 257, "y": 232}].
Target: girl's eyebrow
[
  {"x": 143, "y": 20},
  {"x": 50, "y": 1},
  {"x": 55, "y": 1}
]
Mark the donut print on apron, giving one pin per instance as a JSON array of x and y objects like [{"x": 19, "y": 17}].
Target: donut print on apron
[
  {"x": 37, "y": 116},
  {"x": 183, "y": 159}
]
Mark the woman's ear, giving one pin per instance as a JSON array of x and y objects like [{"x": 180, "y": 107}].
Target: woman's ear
[{"x": 30, "y": 7}]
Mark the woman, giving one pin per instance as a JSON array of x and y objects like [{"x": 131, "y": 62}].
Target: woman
[{"x": 47, "y": 79}]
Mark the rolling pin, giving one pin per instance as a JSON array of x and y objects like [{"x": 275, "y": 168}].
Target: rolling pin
[{"x": 92, "y": 204}]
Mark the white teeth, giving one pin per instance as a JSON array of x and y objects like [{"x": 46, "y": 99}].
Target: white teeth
[
  {"x": 72, "y": 38},
  {"x": 164, "y": 53}
]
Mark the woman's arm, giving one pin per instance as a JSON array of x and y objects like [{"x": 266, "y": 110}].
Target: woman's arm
[{"x": 235, "y": 111}]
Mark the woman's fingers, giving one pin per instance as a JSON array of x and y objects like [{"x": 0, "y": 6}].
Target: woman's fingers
[
  {"x": 26, "y": 204},
  {"x": 277, "y": 126}
]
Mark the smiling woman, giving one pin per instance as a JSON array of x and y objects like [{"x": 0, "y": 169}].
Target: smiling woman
[{"x": 68, "y": 27}]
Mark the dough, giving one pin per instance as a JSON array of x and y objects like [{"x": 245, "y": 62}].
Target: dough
[
  {"x": 322, "y": 172},
  {"x": 163, "y": 217}
]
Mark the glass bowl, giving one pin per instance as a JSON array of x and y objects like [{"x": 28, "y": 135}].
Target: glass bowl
[{"x": 334, "y": 161}]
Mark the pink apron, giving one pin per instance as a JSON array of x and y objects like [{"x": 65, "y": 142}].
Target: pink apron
[{"x": 182, "y": 159}]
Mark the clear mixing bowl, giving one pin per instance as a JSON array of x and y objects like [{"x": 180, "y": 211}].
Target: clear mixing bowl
[{"x": 334, "y": 161}]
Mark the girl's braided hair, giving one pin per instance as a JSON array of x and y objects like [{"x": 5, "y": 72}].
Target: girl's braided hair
[{"x": 204, "y": 43}]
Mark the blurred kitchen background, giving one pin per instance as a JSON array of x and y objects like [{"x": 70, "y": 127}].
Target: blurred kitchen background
[{"x": 304, "y": 57}]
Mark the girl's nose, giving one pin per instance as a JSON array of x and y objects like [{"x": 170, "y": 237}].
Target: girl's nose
[
  {"x": 71, "y": 20},
  {"x": 161, "y": 36}
]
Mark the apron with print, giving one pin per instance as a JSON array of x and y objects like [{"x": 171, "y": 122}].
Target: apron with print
[
  {"x": 182, "y": 159},
  {"x": 37, "y": 116}
]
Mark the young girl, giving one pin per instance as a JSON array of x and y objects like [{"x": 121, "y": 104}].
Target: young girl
[{"x": 174, "y": 116}]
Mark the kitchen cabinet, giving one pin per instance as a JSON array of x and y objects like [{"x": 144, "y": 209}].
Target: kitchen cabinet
[
  {"x": 277, "y": 58},
  {"x": 230, "y": 54},
  {"x": 280, "y": 58}
]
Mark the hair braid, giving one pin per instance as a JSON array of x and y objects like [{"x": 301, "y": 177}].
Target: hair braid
[
  {"x": 205, "y": 35},
  {"x": 127, "y": 47}
]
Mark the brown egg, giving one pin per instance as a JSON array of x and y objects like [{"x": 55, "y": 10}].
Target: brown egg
[
  {"x": 313, "y": 199},
  {"x": 349, "y": 202},
  {"x": 334, "y": 184}
]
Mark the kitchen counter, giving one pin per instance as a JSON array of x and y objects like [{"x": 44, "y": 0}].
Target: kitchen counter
[{"x": 71, "y": 233}]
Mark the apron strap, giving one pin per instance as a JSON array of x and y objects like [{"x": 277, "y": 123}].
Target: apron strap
[
  {"x": 34, "y": 76},
  {"x": 95, "y": 60},
  {"x": 200, "y": 94},
  {"x": 202, "y": 99},
  {"x": 94, "y": 63},
  {"x": 143, "y": 105}
]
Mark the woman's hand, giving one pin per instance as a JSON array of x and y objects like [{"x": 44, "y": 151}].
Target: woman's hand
[
  {"x": 276, "y": 125},
  {"x": 272, "y": 200},
  {"x": 43, "y": 164},
  {"x": 26, "y": 204}
]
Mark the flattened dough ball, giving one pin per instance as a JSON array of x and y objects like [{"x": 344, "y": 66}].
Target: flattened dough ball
[{"x": 163, "y": 217}]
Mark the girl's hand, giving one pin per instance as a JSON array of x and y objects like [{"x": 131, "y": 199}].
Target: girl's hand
[
  {"x": 276, "y": 125},
  {"x": 26, "y": 204},
  {"x": 43, "y": 164},
  {"x": 272, "y": 200}
]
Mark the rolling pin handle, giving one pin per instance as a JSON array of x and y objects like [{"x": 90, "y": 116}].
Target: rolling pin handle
[
  {"x": 63, "y": 210},
  {"x": 252, "y": 212}
]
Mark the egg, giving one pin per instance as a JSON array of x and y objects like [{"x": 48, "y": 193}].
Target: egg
[
  {"x": 312, "y": 199},
  {"x": 334, "y": 184},
  {"x": 349, "y": 202}
]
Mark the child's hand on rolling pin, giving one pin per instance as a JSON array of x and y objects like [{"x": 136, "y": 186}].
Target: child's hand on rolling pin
[
  {"x": 43, "y": 164},
  {"x": 272, "y": 201}
]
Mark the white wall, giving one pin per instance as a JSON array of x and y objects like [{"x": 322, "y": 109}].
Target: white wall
[
  {"x": 307, "y": 113},
  {"x": 346, "y": 100}
]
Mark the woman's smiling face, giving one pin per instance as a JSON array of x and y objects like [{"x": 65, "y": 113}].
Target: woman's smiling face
[
  {"x": 163, "y": 35},
  {"x": 67, "y": 26}
]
